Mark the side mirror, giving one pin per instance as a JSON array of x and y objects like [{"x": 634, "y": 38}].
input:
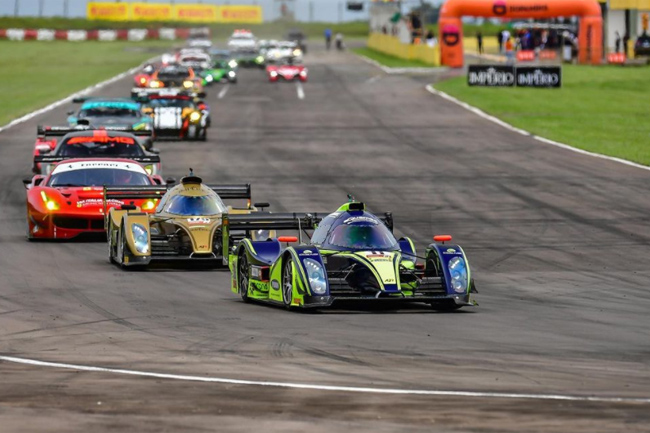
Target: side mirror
[
  {"x": 261, "y": 205},
  {"x": 27, "y": 182},
  {"x": 70, "y": 113},
  {"x": 170, "y": 181},
  {"x": 154, "y": 150}
]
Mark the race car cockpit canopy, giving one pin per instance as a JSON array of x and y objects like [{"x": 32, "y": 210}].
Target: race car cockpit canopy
[{"x": 351, "y": 228}]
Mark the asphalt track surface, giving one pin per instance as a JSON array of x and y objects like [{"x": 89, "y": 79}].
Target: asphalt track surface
[{"x": 558, "y": 243}]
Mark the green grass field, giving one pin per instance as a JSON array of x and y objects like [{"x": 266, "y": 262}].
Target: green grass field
[
  {"x": 388, "y": 60},
  {"x": 34, "y": 74},
  {"x": 600, "y": 109}
]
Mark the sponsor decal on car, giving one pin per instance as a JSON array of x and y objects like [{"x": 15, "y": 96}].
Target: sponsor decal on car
[
  {"x": 358, "y": 219},
  {"x": 198, "y": 220}
]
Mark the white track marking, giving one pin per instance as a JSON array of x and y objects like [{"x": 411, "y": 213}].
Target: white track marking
[
  {"x": 300, "y": 90},
  {"x": 67, "y": 99},
  {"x": 475, "y": 394},
  {"x": 223, "y": 91},
  {"x": 500, "y": 122}
]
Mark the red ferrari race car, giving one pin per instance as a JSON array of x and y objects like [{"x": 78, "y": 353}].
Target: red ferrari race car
[
  {"x": 69, "y": 201},
  {"x": 287, "y": 71},
  {"x": 85, "y": 142}
]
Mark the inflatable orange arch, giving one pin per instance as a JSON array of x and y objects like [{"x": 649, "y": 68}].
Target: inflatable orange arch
[{"x": 590, "y": 36}]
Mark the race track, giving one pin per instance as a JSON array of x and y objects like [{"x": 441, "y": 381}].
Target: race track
[{"x": 558, "y": 242}]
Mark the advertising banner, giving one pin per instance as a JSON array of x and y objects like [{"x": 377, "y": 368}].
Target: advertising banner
[
  {"x": 539, "y": 76},
  {"x": 195, "y": 13},
  {"x": 510, "y": 76},
  {"x": 107, "y": 11},
  {"x": 151, "y": 12},
  {"x": 240, "y": 14},
  {"x": 491, "y": 75}
]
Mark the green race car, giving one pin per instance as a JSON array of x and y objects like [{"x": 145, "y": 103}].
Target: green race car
[
  {"x": 352, "y": 255},
  {"x": 220, "y": 71}
]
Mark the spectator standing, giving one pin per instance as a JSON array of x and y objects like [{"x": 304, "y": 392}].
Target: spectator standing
[
  {"x": 506, "y": 37},
  {"x": 617, "y": 43},
  {"x": 339, "y": 41},
  {"x": 510, "y": 53},
  {"x": 479, "y": 41},
  {"x": 626, "y": 39},
  {"x": 500, "y": 40},
  {"x": 328, "y": 38},
  {"x": 431, "y": 39}
]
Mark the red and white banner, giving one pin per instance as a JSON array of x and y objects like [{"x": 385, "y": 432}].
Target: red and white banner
[{"x": 95, "y": 35}]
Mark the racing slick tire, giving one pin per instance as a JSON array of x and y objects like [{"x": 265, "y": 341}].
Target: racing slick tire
[
  {"x": 28, "y": 231},
  {"x": 287, "y": 283},
  {"x": 202, "y": 135},
  {"x": 120, "y": 247},
  {"x": 242, "y": 277},
  {"x": 109, "y": 241}
]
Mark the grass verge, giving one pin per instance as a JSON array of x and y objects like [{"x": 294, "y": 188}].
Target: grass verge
[
  {"x": 34, "y": 74},
  {"x": 599, "y": 109},
  {"x": 388, "y": 60}
]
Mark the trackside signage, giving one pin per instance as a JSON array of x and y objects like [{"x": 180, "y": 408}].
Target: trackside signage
[
  {"x": 491, "y": 75},
  {"x": 542, "y": 76},
  {"x": 511, "y": 76}
]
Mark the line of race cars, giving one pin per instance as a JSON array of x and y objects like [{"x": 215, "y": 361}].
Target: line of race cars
[{"x": 100, "y": 174}]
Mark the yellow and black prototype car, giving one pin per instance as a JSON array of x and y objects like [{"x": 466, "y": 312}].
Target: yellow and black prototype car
[{"x": 186, "y": 225}]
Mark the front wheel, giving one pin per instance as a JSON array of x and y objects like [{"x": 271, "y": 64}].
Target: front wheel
[
  {"x": 243, "y": 277},
  {"x": 121, "y": 240},
  {"x": 287, "y": 283}
]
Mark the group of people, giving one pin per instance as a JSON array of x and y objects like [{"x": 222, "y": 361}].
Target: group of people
[{"x": 338, "y": 40}]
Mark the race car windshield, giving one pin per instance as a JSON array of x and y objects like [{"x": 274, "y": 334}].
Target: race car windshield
[
  {"x": 110, "y": 149},
  {"x": 362, "y": 237},
  {"x": 98, "y": 177},
  {"x": 171, "y": 102},
  {"x": 109, "y": 112},
  {"x": 204, "y": 205}
]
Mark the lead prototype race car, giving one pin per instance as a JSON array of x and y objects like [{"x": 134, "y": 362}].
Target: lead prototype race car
[{"x": 352, "y": 255}]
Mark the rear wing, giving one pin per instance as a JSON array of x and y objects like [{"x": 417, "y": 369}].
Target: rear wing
[
  {"x": 132, "y": 193},
  {"x": 59, "y": 131},
  {"x": 234, "y": 192},
  {"x": 144, "y": 160},
  {"x": 143, "y": 95},
  {"x": 244, "y": 225}
]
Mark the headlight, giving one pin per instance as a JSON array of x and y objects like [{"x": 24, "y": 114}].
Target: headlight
[
  {"x": 155, "y": 84},
  {"x": 232, "y": 63},
  {"x": 303, "y": 73},
  {"x": 297, "y": 53},
  {"x": 231, "y": 73},
  {"x": 49, "y": 203},
  {"x": 140, "y": 238},
  {"x": 316, "y": 276},
  {"x": 458, "y": 271},
  {"x": 259, "y": 59},
  {"x": 143, "y": 80},
  {"x": 148, "y": 169},
  {"x": 274, "y": 74},
  {"x": 209, "y": 78},
  {"x": 195, "y": 116},
  {"x": 188, "y": 84}
]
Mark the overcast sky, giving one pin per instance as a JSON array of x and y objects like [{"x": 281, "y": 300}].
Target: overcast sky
[{"x": 323, "y": 10}]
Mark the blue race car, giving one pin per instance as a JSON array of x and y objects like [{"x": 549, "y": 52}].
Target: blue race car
[{"x": 110, "y": 112}]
